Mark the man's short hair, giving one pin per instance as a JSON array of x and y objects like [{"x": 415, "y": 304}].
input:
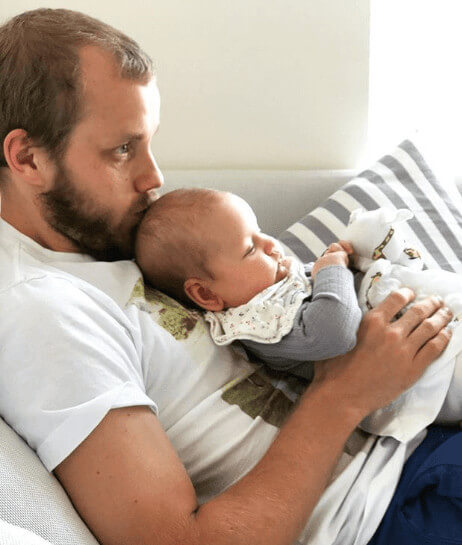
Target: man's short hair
[
  {"x": 172, "y": 243},
  {"x": 40, "y": 87}
]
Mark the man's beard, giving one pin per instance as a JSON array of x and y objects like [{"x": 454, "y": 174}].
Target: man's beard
[{"x": 71, "y": 213}]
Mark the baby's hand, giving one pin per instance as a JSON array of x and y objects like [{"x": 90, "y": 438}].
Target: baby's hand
[{"x": 336, "y": 254}]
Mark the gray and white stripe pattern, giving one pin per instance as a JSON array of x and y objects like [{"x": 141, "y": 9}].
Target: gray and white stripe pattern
[{"x": 399, "y": 180}]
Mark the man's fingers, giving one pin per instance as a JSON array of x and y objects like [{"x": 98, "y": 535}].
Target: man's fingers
[
  {"x": 429, "y": 329},
  {"x": 418, "y": 316},
  {"x": 395, "y": 302},
  {"x": 433, "y": 348}
]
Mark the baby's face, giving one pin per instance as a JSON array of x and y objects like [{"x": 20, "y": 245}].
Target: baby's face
[{"x": 243, "y": 260}]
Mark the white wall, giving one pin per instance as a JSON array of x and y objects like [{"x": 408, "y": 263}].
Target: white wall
[
  {"x": 249, "y": 83},
  {"x": 415, "y": 75}
]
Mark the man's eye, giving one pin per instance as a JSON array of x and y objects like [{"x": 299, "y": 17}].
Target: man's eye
[
  {"x": 123, "y": 149},
  {"x": 250, "y": 251}
]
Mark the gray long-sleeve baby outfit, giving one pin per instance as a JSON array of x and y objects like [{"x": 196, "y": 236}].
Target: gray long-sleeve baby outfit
[{"x": 324, "y": 323}]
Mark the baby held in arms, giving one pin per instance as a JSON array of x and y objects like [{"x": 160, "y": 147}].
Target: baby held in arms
[{"x": 204, "y": 247}]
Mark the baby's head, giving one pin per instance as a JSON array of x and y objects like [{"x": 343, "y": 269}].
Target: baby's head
[{"x": 205, "y": 246}]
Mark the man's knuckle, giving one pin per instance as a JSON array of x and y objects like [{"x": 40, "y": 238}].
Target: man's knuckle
[
  {"x": 419, "y": 312},
  {"x": 445, "y": 335},
  {"x": 393, "y": 336},
  {"x": 428, "y": 327},
  {"x": 435, "y": 344},
  {"x": 439, "y": 341},
  {"x": 373, "y": 319},
  {"x": 399, "y": 298}
]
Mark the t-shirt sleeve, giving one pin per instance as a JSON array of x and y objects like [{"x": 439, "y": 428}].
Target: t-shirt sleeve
[{"x": 66, "y": 359}]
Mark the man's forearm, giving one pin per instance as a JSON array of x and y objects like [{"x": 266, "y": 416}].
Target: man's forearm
[{"x": 272, "y": 503}]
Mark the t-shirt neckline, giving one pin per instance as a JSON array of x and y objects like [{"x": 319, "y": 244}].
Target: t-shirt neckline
[{"x": 36, "y": 249}]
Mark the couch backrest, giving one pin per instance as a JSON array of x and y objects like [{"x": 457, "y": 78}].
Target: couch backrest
[{"x": 278, "y": 197}]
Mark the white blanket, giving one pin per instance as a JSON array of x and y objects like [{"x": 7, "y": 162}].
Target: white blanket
[
  {"x": 354, "y": 503},
  {"x": 389, "y": 263},
  {"x": 419, "y": 406}
]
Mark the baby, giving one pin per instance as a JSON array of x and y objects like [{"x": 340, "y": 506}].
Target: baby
[{"x": 204, "y": 247}]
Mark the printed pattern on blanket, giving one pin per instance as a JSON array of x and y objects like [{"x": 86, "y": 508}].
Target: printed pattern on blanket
[{"x": 395, "y": 265}]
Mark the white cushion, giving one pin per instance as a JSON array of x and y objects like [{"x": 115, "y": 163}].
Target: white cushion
[
  {"x": 14, "y": 535},
  {"x": 401, "y": 179},
  {"x": 33, "y": 499}
]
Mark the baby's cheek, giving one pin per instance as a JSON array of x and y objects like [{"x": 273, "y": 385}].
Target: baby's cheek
[{"x": 268, "y": 277}]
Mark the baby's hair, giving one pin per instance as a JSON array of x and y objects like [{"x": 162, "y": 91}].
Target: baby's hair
[{"x": 169, "y": 244}]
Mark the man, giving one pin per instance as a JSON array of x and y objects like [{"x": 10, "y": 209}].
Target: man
[{"x": 112, "y": 404}]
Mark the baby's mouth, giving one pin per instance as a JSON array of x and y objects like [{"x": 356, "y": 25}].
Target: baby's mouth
[{"x": 282, "y": 269}]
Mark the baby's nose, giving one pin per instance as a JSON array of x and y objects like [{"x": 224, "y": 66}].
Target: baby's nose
[{"x": 272, "y": 248}]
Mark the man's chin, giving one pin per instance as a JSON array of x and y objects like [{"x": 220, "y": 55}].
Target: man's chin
[
  {"x": 94, "y": 234},
  {"x": 106, "y": 248}
]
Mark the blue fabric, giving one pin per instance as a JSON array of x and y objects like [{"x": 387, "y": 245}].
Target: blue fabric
[{"x": 427, "y": 505}]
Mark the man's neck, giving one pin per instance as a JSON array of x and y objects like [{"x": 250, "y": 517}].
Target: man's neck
[{"x": 27, "y": 219}]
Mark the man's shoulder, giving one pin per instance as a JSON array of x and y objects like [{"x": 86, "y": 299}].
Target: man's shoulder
[
  {"x": 40, "y": 288},
  {"x": 38, "y": 291},
  {"x": 18, "y": 268},
  {"x": 16, "y": 278},
  {"x": 54, "y": 306},
  {"x": 65, "y": 275}
]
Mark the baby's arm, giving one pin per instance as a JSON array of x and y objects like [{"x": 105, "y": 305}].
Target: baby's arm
[{"x": 324, "y": 327}]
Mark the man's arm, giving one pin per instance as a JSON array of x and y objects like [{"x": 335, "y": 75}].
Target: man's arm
[{"x": 130, "y": 487}]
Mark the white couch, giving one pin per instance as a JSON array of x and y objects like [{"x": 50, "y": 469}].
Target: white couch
[{"x": 278, "y": 197}]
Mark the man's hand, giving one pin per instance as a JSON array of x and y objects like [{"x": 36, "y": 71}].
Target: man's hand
[
  {"x": 389, "y": 356},
  {"x": 336, "y": 254}
]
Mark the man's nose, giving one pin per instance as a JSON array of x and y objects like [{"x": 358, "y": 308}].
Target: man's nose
[{"x": 150, "y": 178}]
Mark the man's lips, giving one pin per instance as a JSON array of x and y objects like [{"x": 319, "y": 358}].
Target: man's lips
[{"x": 152, "y": 197}]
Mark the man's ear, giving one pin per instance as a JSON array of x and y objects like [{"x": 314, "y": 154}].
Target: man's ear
[
  {"x": 25, "y": 160},
  {"x": 197, "y": 290}
]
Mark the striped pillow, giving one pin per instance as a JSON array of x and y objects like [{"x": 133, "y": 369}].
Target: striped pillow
[{"x": 402, "y": 179}]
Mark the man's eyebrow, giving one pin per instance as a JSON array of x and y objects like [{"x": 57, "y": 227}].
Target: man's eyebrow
[{"x": 130, "y": 136}]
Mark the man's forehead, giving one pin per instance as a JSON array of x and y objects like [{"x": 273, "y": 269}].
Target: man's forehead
[
  {"x": 106, "y": 93},
  {"x": 95, "y": 63}
]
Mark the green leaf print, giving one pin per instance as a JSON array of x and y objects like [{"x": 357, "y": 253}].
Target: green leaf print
[{"x": 171, "y": 315}]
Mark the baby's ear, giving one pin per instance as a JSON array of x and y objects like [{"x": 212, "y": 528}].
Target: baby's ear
[{"x": 197, "y": 290}]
